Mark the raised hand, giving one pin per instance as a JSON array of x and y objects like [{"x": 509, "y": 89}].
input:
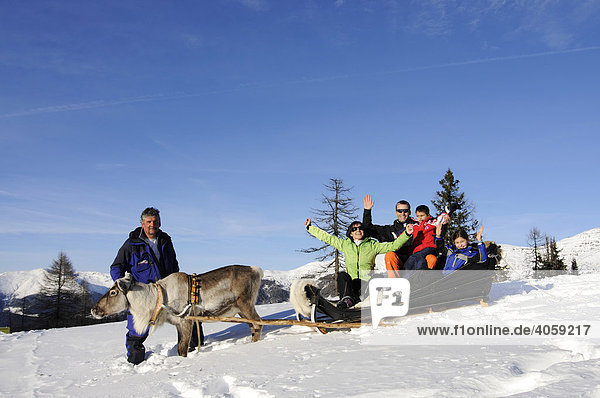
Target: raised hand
[
  {"x": 409, "y": 229},
  {"x": 479, "y": 234},
  {"x": 438, "y": 230},
  {"x": 368, "y": 202},
  {"x": 307, "y": 223}
]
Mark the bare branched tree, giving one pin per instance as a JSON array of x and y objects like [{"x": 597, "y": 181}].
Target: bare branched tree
[{"x": 337, "y": 214}]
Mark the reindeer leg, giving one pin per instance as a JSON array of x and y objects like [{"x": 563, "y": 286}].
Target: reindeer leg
[
  {"x": 184, "y": 332},
  {"x": 248, "y": 311}
]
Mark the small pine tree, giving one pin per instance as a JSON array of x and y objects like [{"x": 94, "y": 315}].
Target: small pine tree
[
  {"x": 574, "y": 267},
  {"x": 463, "y": 216},
  {"x": 58, "y": 292},
  {"x": 550, "y": 259},
  {"x": 535, "y": 239},
  {"x": 337, "y": 214},
  {"x": 557, "y": 261}
]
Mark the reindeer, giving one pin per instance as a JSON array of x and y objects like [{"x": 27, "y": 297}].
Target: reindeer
[{"x": 225, "y": 291}]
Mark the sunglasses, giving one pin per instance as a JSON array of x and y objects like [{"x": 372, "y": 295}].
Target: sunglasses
[
  {"x": 402, "y": 211},
  {"x": 361, "y": 228}
]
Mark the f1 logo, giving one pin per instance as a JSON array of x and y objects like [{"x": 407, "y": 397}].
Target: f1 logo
[{"x": 389, "y": 298}]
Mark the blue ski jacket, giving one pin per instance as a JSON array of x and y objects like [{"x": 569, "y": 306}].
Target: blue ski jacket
[
  {"x": 458, "y": 258},
  {"x": 137, "y": 257}
]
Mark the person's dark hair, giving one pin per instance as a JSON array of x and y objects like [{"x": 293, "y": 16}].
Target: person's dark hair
[
  {"x": 349, "y": 231},
  {"x": 150, "y": 211},
  {"x": 460, "y": 233},
  {"x": 403, "y": 202},
  {"x": 422, "y": 209}
]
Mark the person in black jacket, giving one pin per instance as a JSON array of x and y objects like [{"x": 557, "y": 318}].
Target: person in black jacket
[
  {"x": 387, "y": 233},
  {"x": 147, "y": 254}
]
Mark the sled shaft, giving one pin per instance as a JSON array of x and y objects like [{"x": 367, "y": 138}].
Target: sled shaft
[{"x": 280, "y": 322}]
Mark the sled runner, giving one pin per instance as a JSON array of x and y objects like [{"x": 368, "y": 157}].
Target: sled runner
[
  {"x": 308, "y": 303},
  {"x": 323, "y": 310}
]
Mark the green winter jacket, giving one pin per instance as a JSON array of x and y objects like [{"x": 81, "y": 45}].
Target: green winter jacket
[{"x": 361, "y": 257}]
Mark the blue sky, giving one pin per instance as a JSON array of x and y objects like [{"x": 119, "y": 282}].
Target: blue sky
[{"x": 229, "y": 116}]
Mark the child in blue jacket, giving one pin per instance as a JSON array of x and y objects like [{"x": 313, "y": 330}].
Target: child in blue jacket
[{"x": 461, "y": 254}]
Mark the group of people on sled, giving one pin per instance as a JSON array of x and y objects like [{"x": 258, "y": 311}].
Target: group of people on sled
[{"x": 409, "y": 245}]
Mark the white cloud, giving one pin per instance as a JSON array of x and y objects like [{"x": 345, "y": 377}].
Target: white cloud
[{"x": 553, "y": 23}]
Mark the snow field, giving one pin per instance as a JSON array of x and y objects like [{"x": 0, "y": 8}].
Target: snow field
[{"x": 299, "y": 362}]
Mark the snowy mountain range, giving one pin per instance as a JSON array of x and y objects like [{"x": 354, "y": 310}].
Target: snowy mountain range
[{"x": 583, "y": 247}]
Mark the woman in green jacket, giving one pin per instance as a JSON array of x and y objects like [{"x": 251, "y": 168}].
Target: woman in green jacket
[{"x": 359, "y": 257}]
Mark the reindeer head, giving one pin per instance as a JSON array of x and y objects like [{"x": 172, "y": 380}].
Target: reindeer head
[{"x": 115, "y": 300}]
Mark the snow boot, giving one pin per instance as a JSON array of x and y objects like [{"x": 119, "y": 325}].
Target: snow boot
[
  {"x": 136, "y": 352},
  {"x": 345, "y": 302}
]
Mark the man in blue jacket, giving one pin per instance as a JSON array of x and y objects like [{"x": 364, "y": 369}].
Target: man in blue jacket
[{"x": 148, "y": 254}]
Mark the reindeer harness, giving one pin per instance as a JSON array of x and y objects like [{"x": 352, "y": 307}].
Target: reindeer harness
[
  {"x": 159, "y": 305},
  {"x": 193, "y": 289},
  {"x": 193, "y": 298}
]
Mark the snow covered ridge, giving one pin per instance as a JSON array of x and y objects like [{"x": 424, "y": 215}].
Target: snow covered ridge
[
  {"x": 583, "y": 247},
  {"x": 19, "y": 284}
]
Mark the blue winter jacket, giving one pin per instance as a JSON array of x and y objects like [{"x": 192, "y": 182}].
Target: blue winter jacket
[
  {"x": 137, "y": 257},
  {"x": 458, "y": 258}
]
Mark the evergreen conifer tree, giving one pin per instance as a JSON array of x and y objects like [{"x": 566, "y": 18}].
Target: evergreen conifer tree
[
  {"x": 574, "y": 267},
  {"x": 551, "y": 259},
  {"x": 58, "y": 292},
  {"x": 450, "y": 193}
]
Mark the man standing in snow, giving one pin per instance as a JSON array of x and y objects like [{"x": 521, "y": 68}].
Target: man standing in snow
[
  {"x": 387, "y": 233},
  {"x": 148, "y": 254}
]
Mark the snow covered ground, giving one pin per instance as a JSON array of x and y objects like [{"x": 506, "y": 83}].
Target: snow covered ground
[{"x": 299, "y": 362}]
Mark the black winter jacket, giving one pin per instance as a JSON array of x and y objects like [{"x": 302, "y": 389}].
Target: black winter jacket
[{"x": 387, "y": 233}]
